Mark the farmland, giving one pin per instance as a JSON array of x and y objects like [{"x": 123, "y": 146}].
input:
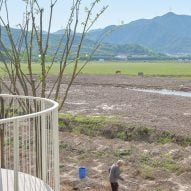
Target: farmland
[
  {"x": 153, "y": 68},
  {"x": 105, "y": 117}
]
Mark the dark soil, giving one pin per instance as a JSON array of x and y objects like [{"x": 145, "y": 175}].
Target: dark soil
[
  {"x": 112, "y": 96},
  {"x": 150, "y": 166}
]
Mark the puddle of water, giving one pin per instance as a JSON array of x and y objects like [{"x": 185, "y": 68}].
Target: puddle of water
[{"x": 165, "y": 92}]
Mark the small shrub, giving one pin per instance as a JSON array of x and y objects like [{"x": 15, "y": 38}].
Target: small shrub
[
  {"x": 147, "y": 172},
  {"x": 165, "y": 137},
  {"x": 121, "y": 135},
  {"x": 122, "y": 153},
  {"x": 145, "y": 159},
  {"x": 172, "y": 167}
]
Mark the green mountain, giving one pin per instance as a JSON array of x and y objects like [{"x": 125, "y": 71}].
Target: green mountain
[
  {"x": 143, "y": 38},
  {"x": 105, "y": 51},
  {"x": 169, "y": 33}
]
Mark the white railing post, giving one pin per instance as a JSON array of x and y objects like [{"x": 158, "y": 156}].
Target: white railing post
[
  {"x": 56, "y": 150},
  {"x": 43, "y": 143},
  {"x": 16, "y": 155},
  {"x": 35, "y": 147}
]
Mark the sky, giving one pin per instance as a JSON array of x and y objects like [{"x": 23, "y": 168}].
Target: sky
[{"x": 117, "y": 12}]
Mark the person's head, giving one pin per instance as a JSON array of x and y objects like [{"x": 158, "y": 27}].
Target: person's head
[{"x": 120, "y": 163}]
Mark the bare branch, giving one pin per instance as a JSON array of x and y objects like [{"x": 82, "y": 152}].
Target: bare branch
[{"x": 31, "y": 36}]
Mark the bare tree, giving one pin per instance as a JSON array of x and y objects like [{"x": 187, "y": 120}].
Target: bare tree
[{"x": 32, "y": 35}]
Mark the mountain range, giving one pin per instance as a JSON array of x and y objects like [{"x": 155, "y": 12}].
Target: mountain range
[
  {"x": 106, "y": 50},
  {"x": 169, "y": 34}
]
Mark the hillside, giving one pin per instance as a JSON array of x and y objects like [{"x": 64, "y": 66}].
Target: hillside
[
  {"x": 144, "y": 38},
  {"x": 169, "y": 33},
  {"x": 106, "y": 50}
]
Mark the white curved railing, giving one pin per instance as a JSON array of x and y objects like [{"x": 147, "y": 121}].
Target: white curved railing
[{"x": 29, "y": 143}]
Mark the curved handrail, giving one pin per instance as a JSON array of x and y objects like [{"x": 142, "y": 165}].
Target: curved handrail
[
  {"x": 26, "y": 116},
  {"x": 30, "y": 138}
]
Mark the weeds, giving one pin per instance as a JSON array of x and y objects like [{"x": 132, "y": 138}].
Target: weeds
[
  {"x": 147, "y": 172},
  {"x": 112, "y": 128}
]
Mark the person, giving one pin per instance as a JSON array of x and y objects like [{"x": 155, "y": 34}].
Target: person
[{"x": 114, "y": 174}]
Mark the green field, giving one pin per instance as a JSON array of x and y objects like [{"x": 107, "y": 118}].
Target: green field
[{"x": 131, "y": 68}]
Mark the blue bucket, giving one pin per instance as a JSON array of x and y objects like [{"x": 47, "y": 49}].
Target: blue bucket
[{"x": 82, "y": 172}]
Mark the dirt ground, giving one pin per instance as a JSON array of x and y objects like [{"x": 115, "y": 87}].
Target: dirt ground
[
  {"x": 113, "y": 96},
  {"x": 150, "y": 167},
  {"x": 121, "y": 80}
]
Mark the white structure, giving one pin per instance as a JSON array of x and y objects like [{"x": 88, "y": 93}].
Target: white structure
[{"x": 29, "y": 144}]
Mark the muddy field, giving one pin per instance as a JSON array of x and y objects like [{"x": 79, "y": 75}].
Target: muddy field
[
  {"x": 113, "y": 96},
  {"x": 149, "y": 166}
]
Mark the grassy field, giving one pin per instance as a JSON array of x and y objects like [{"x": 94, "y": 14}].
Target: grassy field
[{"x": 131, "y": 68}]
